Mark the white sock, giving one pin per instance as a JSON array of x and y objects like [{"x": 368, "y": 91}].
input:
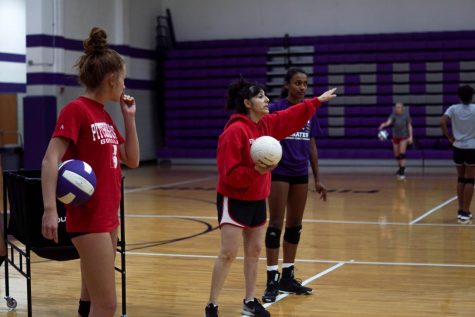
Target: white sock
[
  {"x": 286, "y": 265},
  {"x": 273, "y": 268}
]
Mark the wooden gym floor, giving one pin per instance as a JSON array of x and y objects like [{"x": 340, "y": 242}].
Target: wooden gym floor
[{"x": 377, "y": 247}]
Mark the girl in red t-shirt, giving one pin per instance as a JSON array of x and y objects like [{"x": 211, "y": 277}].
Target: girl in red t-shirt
[{"x": 85, "y": 131}]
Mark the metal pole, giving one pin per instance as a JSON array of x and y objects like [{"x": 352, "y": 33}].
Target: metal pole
[
  {"x": 170, "y": 27},
  {"x": 122, "y": 251}
]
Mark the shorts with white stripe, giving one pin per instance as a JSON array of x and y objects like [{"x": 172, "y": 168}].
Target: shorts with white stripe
[{"x": 241, "y": 213}]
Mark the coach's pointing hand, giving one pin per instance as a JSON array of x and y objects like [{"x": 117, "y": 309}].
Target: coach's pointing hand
[{"x": 327, "y": 95}]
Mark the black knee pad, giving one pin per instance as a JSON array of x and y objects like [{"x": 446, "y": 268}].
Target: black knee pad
[
  {"x": 292, "y": 234},
  {"x": 84, "y": 308},
  {"x": 469, "y": 181},
  {"x": 401, "y": 156},
  {"x": 461, "y": 180},
  {"x": 273, "y": 238}
]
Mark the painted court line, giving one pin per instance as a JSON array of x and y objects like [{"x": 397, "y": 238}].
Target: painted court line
[
  {"x": 199, "y": 256},
  {"x": 433, "y": 210},
  {"x": 379, "y": 223},
  {"x": 307, "y": 281},
  {"x": 142, "y": 189}
]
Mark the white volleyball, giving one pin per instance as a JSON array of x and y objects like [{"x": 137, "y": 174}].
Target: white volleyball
[
  {"x": 383, "y": 135},
  {"x": 267, "y": 150}
]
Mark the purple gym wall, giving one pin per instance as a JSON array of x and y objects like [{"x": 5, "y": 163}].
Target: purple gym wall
[{"x": 39, "y": 115}]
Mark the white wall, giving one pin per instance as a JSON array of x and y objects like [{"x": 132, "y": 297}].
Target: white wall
[
  {"x": 12, "y": 26},
  {"x": 132, "y": 23},
  {"x": 127, "y": 22},
  {"x": 12, "y": 40},
  {"x": 229, "y": 19}
]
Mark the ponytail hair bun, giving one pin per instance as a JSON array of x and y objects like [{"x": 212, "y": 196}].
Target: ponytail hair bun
[
  {"x": 98, "y": 60},
  {"x": 96, "y": 43}
]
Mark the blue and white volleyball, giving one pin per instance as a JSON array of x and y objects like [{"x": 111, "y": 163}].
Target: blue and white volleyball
[
  {"x": 267, "y": 150},
  {"x": 76, "y": 182}
]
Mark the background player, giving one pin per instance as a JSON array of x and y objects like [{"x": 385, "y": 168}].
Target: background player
[
  {"x": 462, "y": 137},
  {"x": 401, "y": 136}
]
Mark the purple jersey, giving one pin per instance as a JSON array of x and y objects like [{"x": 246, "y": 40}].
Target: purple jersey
[{"x": 296, "y": 147}]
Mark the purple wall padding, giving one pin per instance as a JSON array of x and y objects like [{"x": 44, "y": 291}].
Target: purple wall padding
[
  {"x": 39, "y": 118},
  {"x": 451, "y": 82},
  {"x": 8, "y": 88},
  {"x": 197, "y": 74},
  {"x": 384, "y": 75},
  {"x": 417, "y": 78},
  {"x": 352, "y": 84}
]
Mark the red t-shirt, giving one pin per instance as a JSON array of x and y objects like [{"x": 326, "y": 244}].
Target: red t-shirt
[{"x": 94, "y": 140}]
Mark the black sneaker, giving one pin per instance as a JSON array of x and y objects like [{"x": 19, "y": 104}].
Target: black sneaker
[
  {"x": 289, "y": 285},
  {"x": 401, "y": 177},
  {"x": 254, "y": 308},
  {"x": 464, "y": 217},
  {"x": 401, "y": 173},
  {"x": 272, "y": 288},
  {"x": 293, "y": 286},
  {"x": 211, "y": 310}
]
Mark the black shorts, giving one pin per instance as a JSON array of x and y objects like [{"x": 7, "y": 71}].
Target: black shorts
[
  {"x": 241, "y": 213},
  {"x": 464, "y": 156},
  {"x": 292, "y": 180},
  {"x": 76, "y": 234}
]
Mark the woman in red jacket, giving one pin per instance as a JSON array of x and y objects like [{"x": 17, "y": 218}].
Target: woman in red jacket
[{"x": 243, "y": 185}]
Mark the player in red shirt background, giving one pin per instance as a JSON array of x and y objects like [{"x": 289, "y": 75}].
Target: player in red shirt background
[{"x": 85, "y": 131}]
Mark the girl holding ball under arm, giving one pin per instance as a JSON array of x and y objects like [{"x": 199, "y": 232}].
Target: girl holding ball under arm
[{"x": 85, "y": 131}]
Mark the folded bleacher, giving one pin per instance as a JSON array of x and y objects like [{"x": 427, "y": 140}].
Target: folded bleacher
[{"x": 372, "y": 72}]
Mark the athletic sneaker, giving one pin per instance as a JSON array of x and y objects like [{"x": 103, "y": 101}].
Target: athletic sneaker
[
  {"x": 272, "y": 288},
  {"x": 464, "y": 217},
  {"x": 289, "y": 285},
  {"x": 293, "y": 286},
  {"x": 401, "y": 177},
  {"x": 401, "y": 173},
  {"x": 254, "y": 308},
  {"x": 211, "y": 310}
]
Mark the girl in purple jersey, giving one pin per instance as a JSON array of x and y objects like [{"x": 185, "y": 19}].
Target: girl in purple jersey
[{"x": 289, "y": 189}]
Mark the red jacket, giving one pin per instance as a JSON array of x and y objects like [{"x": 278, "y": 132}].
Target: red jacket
[{"x": 237, "y": 177}]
